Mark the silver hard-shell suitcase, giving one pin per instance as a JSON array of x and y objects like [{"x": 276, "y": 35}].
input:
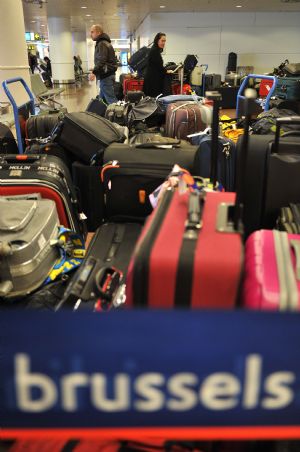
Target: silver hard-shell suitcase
[{"x": 28, "y": 232}]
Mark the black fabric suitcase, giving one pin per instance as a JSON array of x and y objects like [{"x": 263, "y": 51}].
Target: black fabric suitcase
[
  {"x": 90, "y": 191},
  {"x": 86, "y": 134},
  {"x": 131, "y": 173},
  {"x": 8, "y": 144},
  {"x": 118, "y": 89},
  {"x": 51, "y": 149},
  {"x": 271, "y": 175},
  {"x": 212, "y": 81},
  {"x": 108, "y": 255},
  {"x": 134, "y": 96},
  {"x": 41, "y": 126},
  {"x": 47, "y": 175},
  {"x": 97, "y": 106}
]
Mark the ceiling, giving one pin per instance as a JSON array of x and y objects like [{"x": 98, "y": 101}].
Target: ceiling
[{"x": 120, "y": 18}]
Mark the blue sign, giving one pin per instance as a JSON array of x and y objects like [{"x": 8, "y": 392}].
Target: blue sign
[{"x": 132, "y": 368}]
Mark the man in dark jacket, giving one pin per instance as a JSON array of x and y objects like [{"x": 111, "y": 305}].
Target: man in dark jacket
[{"x": 105, "y": 64}]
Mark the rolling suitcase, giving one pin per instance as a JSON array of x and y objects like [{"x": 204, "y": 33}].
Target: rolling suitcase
[
  {"x": 134, "y": 96},
  {"x": 90, "y": 191},
  {"x": 51, "y": 149},
  {"x": 212, "y": 81},
  {"x": 104, "y": 269},
  {"x": 288, "y": 88},
  {"x": 275, "y": 162},
  {"x": 175, "y": 263},
  {"x": 41, "y": 126},
  {"x": 186, "y": 118},
  {"x": 132, "y": 84},
  {"x": 131, "y": 173},
  {"x": 8, "y": 144},
  {"x": 271, "y": 280},
  {"x": 97, "y": 106},
  {"x": 28, "y": 228},
  {"x": 182, "y": 259},
  {"x": 47, "y": 175},
  {"x": 85, "y": 135}
]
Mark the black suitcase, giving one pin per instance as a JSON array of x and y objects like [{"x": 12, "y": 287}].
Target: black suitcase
[
  {"x": 271, "y": 175},
  {"x": 47, "y": 175},
  {"x": 97, "y": 106},
  {"x": 131, "y": 173},
  {"x": 8, "y": 144},
  {"x": 232, "y": 62},
  {"x": 139, "y": 60},
  {"x": 87, "y": 180},
  {"x": 104, "y": 268},
  {"x": 86, "y": 135},
  {"x": 118, "y": 89},
  {"x": 53, "y": 149},
  {"x": 134, "y": 96},
  {"x": 212, "y": 82},
  {"x": 41, "y": 126}
]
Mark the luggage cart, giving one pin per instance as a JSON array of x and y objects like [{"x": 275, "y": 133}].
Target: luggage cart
[
  {"x": 263, "y": 103},
  {"x": 26, "y": 109}
]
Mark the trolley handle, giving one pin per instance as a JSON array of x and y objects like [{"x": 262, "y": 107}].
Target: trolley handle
[{"x": 245, "y": 83}]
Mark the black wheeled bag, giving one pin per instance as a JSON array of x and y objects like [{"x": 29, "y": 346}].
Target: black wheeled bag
[
  {"x": 41, "y": 126},
  {"x": 99, "y": 282},
  {"x": 90, "y": 192},
  {"x": 8, "y": 144},
  {"x": 131, "y": 173},
  {"x": 134, "y": 96},
  {"x": 51, "y": 149},
  {"x": 86, "y": 134},
  {"x": 47, "y": 175},
  {"x": 97, "y": 106}
]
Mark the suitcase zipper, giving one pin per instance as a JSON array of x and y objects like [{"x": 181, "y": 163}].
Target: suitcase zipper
[{"x": 108, "y": 170}]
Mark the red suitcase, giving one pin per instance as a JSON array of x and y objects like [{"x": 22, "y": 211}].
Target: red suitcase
[
  {"x": 185, "y": 258},
  {"x": 186, "y": 118},
  {"x": 132, "y": 84}
]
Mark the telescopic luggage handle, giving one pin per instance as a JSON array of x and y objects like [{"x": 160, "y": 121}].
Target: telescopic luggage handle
[
  {"x": 245, "y": 84},
  {"x": 216, "y": 97},
  {"x": 290, "y": 120}
]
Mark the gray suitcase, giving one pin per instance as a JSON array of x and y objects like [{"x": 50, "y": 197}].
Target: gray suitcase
[{"x": 28, "y": 232}]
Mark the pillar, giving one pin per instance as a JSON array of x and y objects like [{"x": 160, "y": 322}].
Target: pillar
[
  {"x": 13, "y": 50},
  {"x": 61, "y": 52},
  {"x": 80, "y": 48},
  {"x": 90, "y": 51}
]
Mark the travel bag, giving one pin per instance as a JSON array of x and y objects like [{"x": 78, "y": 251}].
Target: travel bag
[
  {"x": 8, "y": 144},
  {"x": 164, "y": 101},
  {"x": 175, "y": 262},
  {"x": 288, "y": 88},
  {"x": 52, "y": 149},
  {"x": 186, "y": 118},
  {"x": 132, "y": 84},
  {"x": 41, "y": 126},
  {"x": 139, "y": 60},
  {"x": 131, "y": 173},
  {"x": 272, "y": 280},
  {"x": 97, "y": 106},
  {"x": 118, "y": 112},
  {"x": 48, "y": 175},
  {"x": 99, "y": 282},
  {"x": 134, "y": 96},
  {"x": 212, "y": 81},
  {"x": 156, "y": 138},
  {"x": 271, "y": 175},
  {"x": 28, "y": 232},
  {"x": 147, "y": 111},
  {"x": 86, "y": 179},
  {"x": 85, "y": 134},
  {"x": 226, "y": 159}
]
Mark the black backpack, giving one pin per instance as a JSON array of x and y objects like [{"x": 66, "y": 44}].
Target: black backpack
[
  {"x": 189, "y": 64},
  {"x": 8, "y": 144},
  {"x": 232, "y": 60}
]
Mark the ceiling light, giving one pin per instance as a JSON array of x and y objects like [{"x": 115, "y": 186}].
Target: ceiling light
[
  {"x": 88, "y": 15},
  {"x": 239, "y": 6},
  {"x": 42, "y": 25},
  {"x": 83, "y": 7},
  {"x": 162, "y": 6},
  {"x": 33, "y": 21}
]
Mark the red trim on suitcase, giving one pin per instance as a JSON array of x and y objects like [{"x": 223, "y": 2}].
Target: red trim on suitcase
[{"x": 45, "y": 192}]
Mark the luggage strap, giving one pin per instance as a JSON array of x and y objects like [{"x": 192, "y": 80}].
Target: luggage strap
[{"x": 185, "y": 269}]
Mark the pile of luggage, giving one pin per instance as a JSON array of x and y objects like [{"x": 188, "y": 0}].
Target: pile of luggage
[{"x": 182, "y": 215}]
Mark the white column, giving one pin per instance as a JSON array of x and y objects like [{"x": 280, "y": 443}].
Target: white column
[
  {"x": 90, "y": 51},
  {"x": 61, "y": 52},
  {"x": 80, "y": 48},
  {"x": 13, "y": 50}
]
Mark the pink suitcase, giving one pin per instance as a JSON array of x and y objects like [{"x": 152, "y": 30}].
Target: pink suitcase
[
  {"x": 272, "y": 271},
  {"x": 186, "y": 118}
]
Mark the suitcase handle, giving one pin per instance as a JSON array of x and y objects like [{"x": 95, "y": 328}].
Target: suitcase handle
[
  {"x": 291, "y": 120},
  {"x": 194, "y": 218},
  {"x": 291, "y": 133},
  {"x": 19, "y": 158},
  {"x": 107, "y": 281},
  {"x": 157, "y": 144}
]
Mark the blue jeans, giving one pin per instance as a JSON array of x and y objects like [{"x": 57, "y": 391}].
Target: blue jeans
[{"x": 107, "y": 92}]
